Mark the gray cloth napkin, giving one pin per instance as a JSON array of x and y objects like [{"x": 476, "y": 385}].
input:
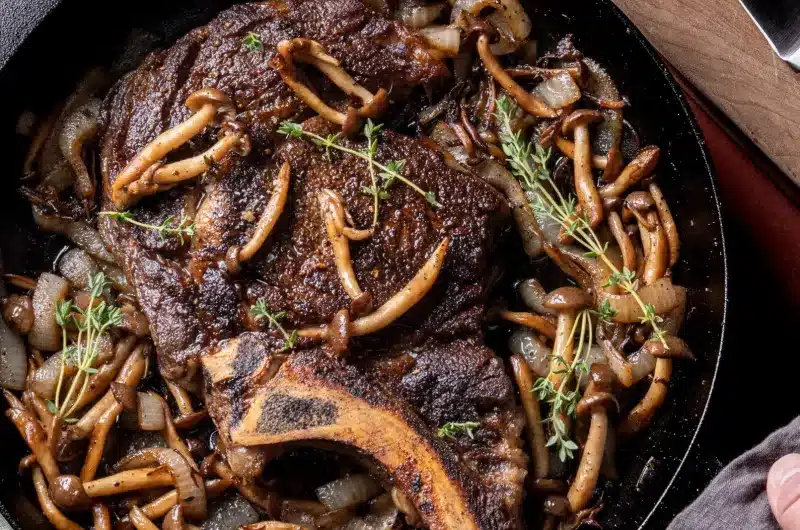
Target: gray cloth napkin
[{"x": 737, "y": 498}]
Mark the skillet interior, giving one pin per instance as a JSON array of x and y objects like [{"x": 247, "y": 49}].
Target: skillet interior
[{"x": 79, "y": 35}]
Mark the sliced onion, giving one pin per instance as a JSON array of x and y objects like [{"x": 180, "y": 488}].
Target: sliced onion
[
  {"x": 348, "y": 491},
  {"x": 45, "y": 334},
  {"x": 446, "y": 39},
  {"x": 662, "y": 295},
  {"x": 80, "y": 233},
  {"x": 77, "y": 266},
  {"x": 518, "y": 20},
  {"x": 420, "y": 16},
  {"x": 150, "y": 413},
  {"x": 232, "y": 512},
  {"x": 473, "y": 7},
  {"x": 115, "y": 275},
  {"x": 191, "y": 489},
  {"x": 533, "y": 294},
  {"x": 524, "y": 342},
  {"x": 642, "y": 364},
  {"x": 559, "y": 91},
  {"x": 13, "y": 361},
  {"x": 382, "y": 513},
  {"x": 45, "y": 378}
]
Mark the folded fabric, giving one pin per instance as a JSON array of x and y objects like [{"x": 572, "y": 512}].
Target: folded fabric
[{"x": 737, "y": 498}]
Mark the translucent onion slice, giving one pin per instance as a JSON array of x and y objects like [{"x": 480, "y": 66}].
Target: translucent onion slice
[
  {"x": 420, "y": 16},
  {"x": 348, "y": 491},
  {"x": 45, "y": 334},
  {"x": 446, "y": 39}
]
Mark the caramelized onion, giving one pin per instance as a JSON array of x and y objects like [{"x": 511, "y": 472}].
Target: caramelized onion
[
  {"x": 421, "y": 16},
  {"x": 524, "y": 342},
  {"x": 662, "y": 295},
  {"x": 558, "y": 92},
  {"x": 446, "y": 39},
  {"x": 13, "y": 359},
  {"x": 150, "y": 415},
  {"x": 45, "y": 334},
  {"x": 76, "y": 266},
  {"x": 348, "y": 491}
]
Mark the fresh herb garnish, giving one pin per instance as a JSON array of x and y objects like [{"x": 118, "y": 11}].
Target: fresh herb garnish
[
  {"x": 262, "y": 311},
  {"x": 528, "y": 162},
  {"x": 564, "y": 400},
  {"x": 91, "y": 323},
  {"x": 252, "y": 43},
  {"x": 389, "y": 172},
  {"x": 170, "y": 227},
  {"x": 378, "y": 193},
  {"x": 453, "y": 429}
]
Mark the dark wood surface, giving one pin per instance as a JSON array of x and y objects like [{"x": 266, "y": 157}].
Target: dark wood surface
[{"x": 716, "y": 45}]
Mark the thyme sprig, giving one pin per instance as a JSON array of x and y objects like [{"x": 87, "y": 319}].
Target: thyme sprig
[
  {"x": 528, "y": 161},
  {"x": 170, "y": 227},
  {"x": 453, "y": 429},
  {"x": 91, "y": 323},
  {"x": 389, "y": 172},
  {"x": 371, "y": 131},
  {"x": 261, "y": 310},
  {"x": 252, "y": 43},
  {"x": 564, "y": 400}
]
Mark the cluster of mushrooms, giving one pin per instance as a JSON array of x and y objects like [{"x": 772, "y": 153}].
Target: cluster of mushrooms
[{"x": 563, "y": 99}]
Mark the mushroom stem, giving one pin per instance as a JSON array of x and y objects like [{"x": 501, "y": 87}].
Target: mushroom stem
[
  {"x": 586, "y": 191},
  {"x": 132, "y": 480},
  {"x": 313, "y": 53},
  {"x": 98, "y": 441},
  {"x": 271, "y": 214},
  {"x": 668, "y": 222},
  {"x": 567, "y": 148},
  {"x": 129, "y": 375},
  {"x": 563, "y": 346},
  {"x": 623, "y": 241},
  {"x": 174, "y": 441},
  {"x": 531, "y": 320},
  {"x": 580, "y": 493},
  {"x": 533, "y": 416},
  {"x": 50, "y": 510},
  {"x": 333, "y": 212},
  {"x": 101, "y": 517},
  {"x": 162, "y": 505},
  {"x": 206, "y": 103},
  {"x": 642, "y": 414},
  {"x": 140, "y": 520},
  {"x": 33, "y": 435},
  {"x": 529, "y": 103},
  {"x": 639, "y": 168},
  {"x": 655, "y": 266}
]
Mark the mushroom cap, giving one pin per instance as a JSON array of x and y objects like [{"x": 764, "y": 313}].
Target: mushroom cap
[
  {"x": 68, "y": 493},
  {"x": 676, "y": 348},
  {"x": 579, "y": 117},
  {"x": 639, "y": 200},
  {"x": 568, "y": 298},
  {"x": 557, "y": 505},
  {"x": 174, "y": 519},
  {"x": 593, "y": 400},
  {"x": 204, "y": 96},
  {"x": 601, "y": 376}
]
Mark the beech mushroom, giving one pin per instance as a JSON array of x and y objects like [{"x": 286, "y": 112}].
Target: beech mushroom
[
  {"x": 174, "y": 441},
  {"x": 567, "y": 148},
  {"x": 98, "y": 440},
  {"x": 101, "y": 517},
  {"x": 567, "y": 300},
  {"x": 312, "y": 52},
  {"x": 77, "y": 129},
  {"x": 333, "y": 212},
  {"x": 668, "y": 222},
  {"x": 640, "y": 167},
  {"x": 596, "y": 398},
  {"x": 174, "y": 519},
  {"x": 50, "y": 510},
  {"x": 33, "y": 435},
  {"x": 675, "y": 348},
  {"x": 531, "y": 320},
  {"x": 578, "y": 124},
  {"x": 160, "y": 506},
  {"x": 397, "y": 305},
  {"x": 527, "y": 101},
  {"x": 68, "y": 494},
  {"x": 269, "y": 218},
  {"x": 181, "y": 396},
  {"x": 206, "y": 105},
  {"x": 655, "y": 266},
  {"x": 261, "y": 497},
  {"x": 623, "y": 241},
  {"x": 132, "y": 480},
  {"x": 140, "y": 520},
  {"x": 533, "y": 416},
  {"x": 642, "y": 414}
]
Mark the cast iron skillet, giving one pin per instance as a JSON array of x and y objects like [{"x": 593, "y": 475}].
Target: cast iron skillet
[{"x": 74, "y": 36}]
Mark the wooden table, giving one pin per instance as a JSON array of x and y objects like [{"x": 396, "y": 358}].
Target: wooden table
[{"x": 716, "y": 45}]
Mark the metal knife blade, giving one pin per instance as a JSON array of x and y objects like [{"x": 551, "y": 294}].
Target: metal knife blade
[{"x": 779, "y": 21}]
